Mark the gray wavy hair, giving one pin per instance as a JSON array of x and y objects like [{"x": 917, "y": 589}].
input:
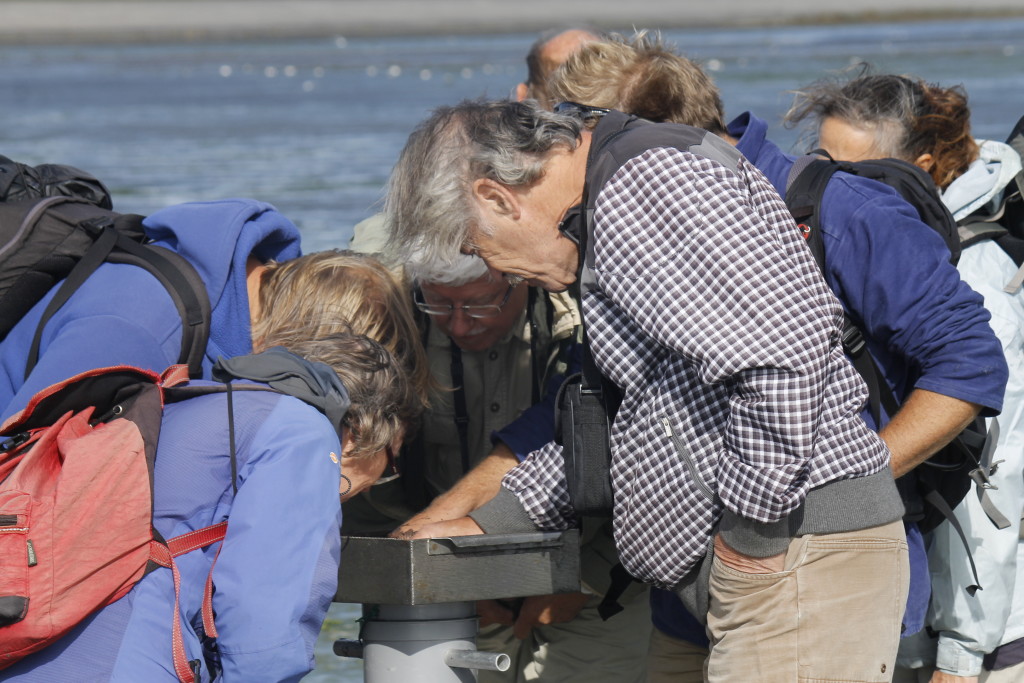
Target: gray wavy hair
[{"x": 429, "y": 205}]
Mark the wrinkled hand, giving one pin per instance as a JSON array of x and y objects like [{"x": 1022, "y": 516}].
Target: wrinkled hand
[
  {"x": 943, "y": 677},
  {"x": 463, "y": 526},
  {"x": 493, "y": 612},
  {"x": 539, "y": 610},
  {"x": 411, "y": 527},
  {"x": 745, "y": 563}
]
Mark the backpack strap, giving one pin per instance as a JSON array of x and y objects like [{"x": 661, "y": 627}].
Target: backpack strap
[
  {"x": 163, "y": 554},
  {"x": 985, "y": 468},
  {"x": 976, "y": 231},
  {"x": 86, "y": 266},
  {"x": 187, "y": 290},
  {"x": 174, "y": 272},
  {"x": 805, "y": 187}
]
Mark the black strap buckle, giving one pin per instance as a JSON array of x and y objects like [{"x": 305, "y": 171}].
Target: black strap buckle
[{"x": 16, "y": 440}]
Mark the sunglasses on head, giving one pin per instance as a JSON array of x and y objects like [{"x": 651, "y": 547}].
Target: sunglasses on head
[{"x": 584, "y": 112}]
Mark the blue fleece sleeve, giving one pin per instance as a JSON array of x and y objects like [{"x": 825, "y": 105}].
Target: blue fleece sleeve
[
  {"x": 536, "y": 426},
  {"x": 893, "y": 275},
  {"x": 277, "y": 571}
]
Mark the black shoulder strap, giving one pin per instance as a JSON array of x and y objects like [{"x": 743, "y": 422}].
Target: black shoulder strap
[
  {"x": 174, "y": 272},
  {"x": 459, "y": 399},
  {"x": 1017, "y": 132},
  {"x": 805, "y": 188}
]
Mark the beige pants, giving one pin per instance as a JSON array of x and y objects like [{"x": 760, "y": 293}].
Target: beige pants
[
  {"x": 584, "y": 650},
  {"x": 673, "y": 660},
  {"x": 833, "y": 614}
]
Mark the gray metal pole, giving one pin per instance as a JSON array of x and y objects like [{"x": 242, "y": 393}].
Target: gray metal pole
[{"x": 481, "y": 661}]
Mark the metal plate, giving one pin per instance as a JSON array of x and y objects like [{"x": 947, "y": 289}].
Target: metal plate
[{"x": 391, "y": 571}]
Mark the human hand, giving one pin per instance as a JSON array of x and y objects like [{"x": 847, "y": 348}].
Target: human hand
[
  {"x": 494, "y": 612},
  {"x": 411, "y": 527},
  {"x": 539, "y": 610},
  {"x": 463, "y": 526},
  {"x": 943, "y": 677},
  {"x": 744, "y": 563}
]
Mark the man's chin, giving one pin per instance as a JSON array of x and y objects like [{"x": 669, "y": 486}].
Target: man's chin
[{"x": 473, "y": 343}]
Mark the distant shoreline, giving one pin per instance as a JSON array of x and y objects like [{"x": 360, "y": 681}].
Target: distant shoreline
[{"x": 135, "y": 21}]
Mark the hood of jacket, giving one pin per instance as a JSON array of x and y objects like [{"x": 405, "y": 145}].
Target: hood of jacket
[
  {"x": 217, "y": 237},
  {"x": 313, "y": 382},
  {"x": 983, "y": 182}
]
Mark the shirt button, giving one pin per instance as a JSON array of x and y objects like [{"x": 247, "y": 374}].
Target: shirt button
[
  {"x": 495, "y": 407},
  {"x": 493, "y": 355}
]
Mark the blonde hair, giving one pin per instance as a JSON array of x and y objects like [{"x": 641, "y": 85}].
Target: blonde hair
[
  {"x": 641, "y": 76},
  {"x": 384, "y": 401},
  {"x": 334, "y": 291}
]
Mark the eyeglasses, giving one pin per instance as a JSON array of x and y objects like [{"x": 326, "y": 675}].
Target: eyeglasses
[
  {"x": 476, "y": 311},
  {"x": 583, "y": 112},
  {"x": 391, "y": 471}
]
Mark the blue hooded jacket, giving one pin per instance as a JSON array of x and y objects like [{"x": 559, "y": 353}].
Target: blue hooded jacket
[{"x": 123, "y": 315}]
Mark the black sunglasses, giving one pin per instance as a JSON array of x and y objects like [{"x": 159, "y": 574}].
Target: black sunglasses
[
  {"x": 391, "y": 470},
  {"x": 584, "y": 112}
]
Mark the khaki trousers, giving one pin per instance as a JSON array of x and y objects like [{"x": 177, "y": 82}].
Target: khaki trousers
[
  {"x": 673, "y": 660},
  {"x": 833, "y": 614}
]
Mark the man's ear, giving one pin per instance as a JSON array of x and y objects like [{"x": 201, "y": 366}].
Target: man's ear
[
  {"x": 496, "y": 198},
  {"x": 522, "y": 92}
]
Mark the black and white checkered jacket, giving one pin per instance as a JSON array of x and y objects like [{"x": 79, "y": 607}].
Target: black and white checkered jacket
[{"x": 739, "y": 406}]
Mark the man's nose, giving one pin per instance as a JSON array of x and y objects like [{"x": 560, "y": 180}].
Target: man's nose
[{"x": 459, "y": 323}]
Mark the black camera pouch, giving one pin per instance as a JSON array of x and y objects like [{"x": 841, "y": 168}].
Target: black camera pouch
[{"x": 582, "y": 428}]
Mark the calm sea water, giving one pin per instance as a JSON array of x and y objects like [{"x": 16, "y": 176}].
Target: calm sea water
[{"x": 313, "y": 127}]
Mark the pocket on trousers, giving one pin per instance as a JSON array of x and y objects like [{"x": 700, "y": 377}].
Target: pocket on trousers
[
  {"x": 16, "y": 556},
  {"x": 852, "y": 588}
]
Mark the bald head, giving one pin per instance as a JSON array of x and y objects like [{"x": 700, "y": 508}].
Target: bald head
[{"x": 550, "y": 51}]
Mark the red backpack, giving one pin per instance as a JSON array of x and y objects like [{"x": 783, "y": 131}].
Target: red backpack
[{"x": 76, "y": 506}]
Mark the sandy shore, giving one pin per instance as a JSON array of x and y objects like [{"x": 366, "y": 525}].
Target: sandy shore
[{"x": 43, "y": 21}]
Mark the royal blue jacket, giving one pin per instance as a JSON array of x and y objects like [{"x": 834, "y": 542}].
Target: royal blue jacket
[
  {"x": 924, "y": 326},
  {"x": 123, "y": 315},
  {"x": 276, "y": 574}
]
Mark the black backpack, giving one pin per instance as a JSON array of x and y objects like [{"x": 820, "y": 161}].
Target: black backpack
[
  {"x": 946, "y": 477},
  {"x": 56, "y": 224}
]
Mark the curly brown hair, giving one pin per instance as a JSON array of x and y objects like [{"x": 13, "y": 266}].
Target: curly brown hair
[{"x": 906, "y": 116}]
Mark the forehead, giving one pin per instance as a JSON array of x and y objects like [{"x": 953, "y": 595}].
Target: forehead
[
  {"x": 847, "y": 142},
  {"x": 482, "y": 287}
]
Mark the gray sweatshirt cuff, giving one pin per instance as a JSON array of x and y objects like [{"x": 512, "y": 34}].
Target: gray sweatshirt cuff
[
  {"x": 755, "y": 539},
  {"x": 503, "y": 514}
]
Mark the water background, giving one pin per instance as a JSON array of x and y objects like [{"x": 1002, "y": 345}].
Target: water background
[{"x": 313, "y": 127}]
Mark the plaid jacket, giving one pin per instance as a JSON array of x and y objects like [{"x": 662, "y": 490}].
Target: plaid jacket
[{"x": 711, "y": 316}]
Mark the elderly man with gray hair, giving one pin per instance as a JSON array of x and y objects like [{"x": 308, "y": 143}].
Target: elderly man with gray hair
[
  {"x": 738, "y": 436},
  {"x": 499, "y": 352}
]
